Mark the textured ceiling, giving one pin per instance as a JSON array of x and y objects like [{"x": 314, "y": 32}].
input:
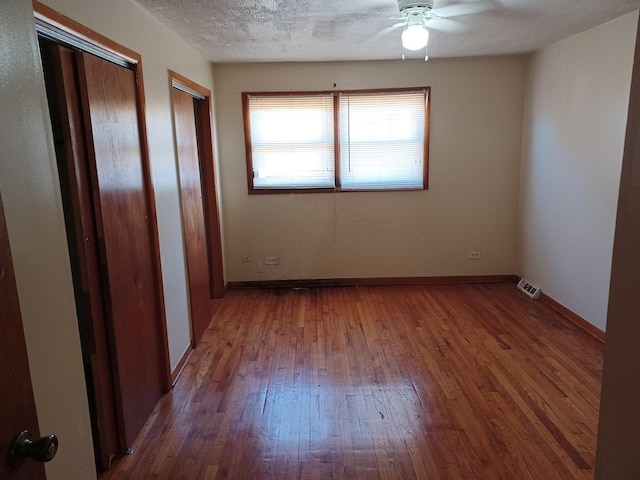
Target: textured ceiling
[{"x": 320, "y": 30}]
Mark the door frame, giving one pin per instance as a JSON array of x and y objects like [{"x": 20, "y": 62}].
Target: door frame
[
  {"x": 206, "y": 153},
  {"x": 53, "y": 25},
  {"x": 619, "y": 421}
]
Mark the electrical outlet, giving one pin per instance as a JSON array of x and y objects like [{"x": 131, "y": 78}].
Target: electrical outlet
[
  {"x": 260, "y": 267},
  {"x": 246, "y": 258},
  {"x": 271, "y": 260},
  {"x": 474, "y": 255}
]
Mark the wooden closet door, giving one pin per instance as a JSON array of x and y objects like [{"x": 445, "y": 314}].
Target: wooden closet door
[
  {"x": 192, "y": 213},
  {"x": 59, "y": 64},
  {"x": 124, "y": 228}
]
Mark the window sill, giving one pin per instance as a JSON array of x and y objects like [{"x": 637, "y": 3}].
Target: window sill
[{"x": 279, "y": 191}]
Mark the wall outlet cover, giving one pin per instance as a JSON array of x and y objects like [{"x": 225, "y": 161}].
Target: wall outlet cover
[{"x": 271, "y": 260}]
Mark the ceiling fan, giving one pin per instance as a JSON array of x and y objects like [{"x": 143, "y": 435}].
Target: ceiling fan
[{"x": 417, "y": 15}]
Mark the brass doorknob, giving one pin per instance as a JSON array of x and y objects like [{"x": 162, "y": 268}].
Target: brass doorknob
[{"x": 25, "y": 446}]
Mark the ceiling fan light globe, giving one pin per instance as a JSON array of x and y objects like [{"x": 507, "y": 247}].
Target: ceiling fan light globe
[{"x": 415, "y": 37}]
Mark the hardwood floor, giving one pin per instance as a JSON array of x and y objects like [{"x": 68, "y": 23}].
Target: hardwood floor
[{"x": 413, "y": 382}]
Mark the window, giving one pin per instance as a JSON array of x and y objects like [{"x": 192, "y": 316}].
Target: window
[
  {"x": 292, "y": 144},
  {"x": 328, "y": 141}
]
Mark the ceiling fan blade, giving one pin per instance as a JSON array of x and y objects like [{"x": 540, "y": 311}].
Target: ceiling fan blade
[
  {"x": 386, "y": 31},
  {"x": 393, "y": 27},
  {"x": 447, "y": 25},
  {"x": 461, "y": 9}
]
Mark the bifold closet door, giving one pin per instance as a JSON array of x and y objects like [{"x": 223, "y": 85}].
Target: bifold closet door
[
  {"x": 124, "y": 226},
  {"x": 192, "y": 213}
]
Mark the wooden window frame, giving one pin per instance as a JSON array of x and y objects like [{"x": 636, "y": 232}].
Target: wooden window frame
[{"x": 336, "y": 122}]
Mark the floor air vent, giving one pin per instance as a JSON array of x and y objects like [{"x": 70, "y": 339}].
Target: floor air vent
[{"x": 529, "y": 289}]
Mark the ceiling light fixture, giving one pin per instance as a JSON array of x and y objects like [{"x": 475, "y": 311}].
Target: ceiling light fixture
[{"x": 415, "y": 35}]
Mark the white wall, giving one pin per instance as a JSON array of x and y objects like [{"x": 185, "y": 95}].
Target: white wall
[
  {"x": 161, "y": 50},
  {"x": 576, "y": 114},
  {"x": 476, "y": 132},
  {"x": 35, "y": 221}
]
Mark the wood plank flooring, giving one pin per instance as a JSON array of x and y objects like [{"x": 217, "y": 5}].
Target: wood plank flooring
[{"x": 413, "y": 382}]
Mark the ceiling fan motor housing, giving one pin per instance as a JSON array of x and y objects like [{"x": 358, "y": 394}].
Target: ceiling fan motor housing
[{"x": 413, "y": 7}]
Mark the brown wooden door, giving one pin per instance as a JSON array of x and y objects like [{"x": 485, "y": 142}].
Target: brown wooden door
[
  {"x": 124, "y": 225},
  {"x": 192, "y": 213},
  {"x": 59, "y": 64},
  {"x": 17, "y": 407}
]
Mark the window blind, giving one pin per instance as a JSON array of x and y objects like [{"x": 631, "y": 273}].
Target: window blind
[
  {"x": 382, "y": 140},
  {"x": 292, "y": 141}
]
